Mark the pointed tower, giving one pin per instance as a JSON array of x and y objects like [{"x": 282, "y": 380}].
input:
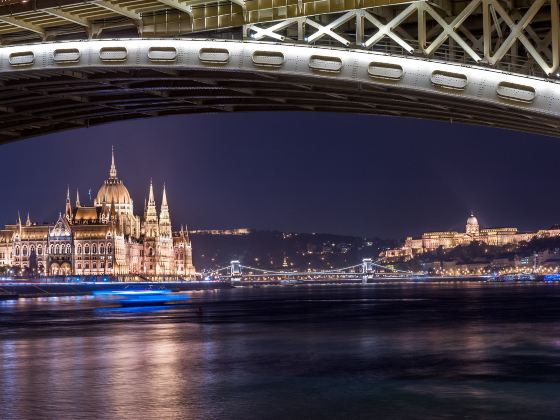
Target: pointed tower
[
  {"x": 164, "y": 219},
  {"x": 113, "y": 169},
  {"x": 68, "y": 209},
  {"x": 78, "y": 198},
  {"x": 19, "y": 222},
  {"x": 151, "y": 219},
  {"x": 151, "y": 198},
  {"x": 186, "y": 234},
  {"x": 28, "y": 221},
  {"x": 190, "y": 270}
]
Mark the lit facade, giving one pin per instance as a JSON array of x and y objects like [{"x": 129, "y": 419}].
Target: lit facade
[
  {"x": 105, "y": 238},
  {"x": 431, "y": 241}
]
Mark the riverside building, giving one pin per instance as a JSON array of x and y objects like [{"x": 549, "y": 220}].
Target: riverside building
[
  {"x": 103, "y": 238},
  {"x": 430, "y": 241}
]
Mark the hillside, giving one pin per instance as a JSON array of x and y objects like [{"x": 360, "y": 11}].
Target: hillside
[{"x": 274, "y": 250}]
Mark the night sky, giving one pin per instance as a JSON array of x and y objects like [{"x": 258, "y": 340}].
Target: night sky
[{"x": 309, "y": 172}]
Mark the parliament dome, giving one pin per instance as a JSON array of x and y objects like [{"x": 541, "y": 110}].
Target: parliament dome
[{"x": 113, "y": 190}]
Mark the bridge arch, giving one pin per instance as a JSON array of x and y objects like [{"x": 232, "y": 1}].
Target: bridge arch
[{"x": 56, "y": 86}]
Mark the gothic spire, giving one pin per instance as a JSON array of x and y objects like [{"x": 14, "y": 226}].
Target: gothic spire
[
  {"x": 113, "y": 170},
  {"x": 187, "y": 234},
  {"x": 164, "y": 198},
  {"x": 18, "y": 218},
  {"x": 28, "y": 221},
  {"x": 78, "y": 198},
  {"x": 151, "y": 199},
  {"x": 164, "y": 219},
  {"x": 68, "y": 209},
  {"x": 184, "y": 234},
  {"x": 164, "y": 212},
  {"x": 151, "y": 218}
]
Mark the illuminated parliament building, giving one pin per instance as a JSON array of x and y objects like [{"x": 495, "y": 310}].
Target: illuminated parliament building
[
  {"x": 431, "y": 241},
  {"x": 104, "y": 238}
]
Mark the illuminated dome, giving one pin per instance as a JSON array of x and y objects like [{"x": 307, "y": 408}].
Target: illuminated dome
[
  {"x": 113, "y": 189},
  {"x": 471, "y": 221}
]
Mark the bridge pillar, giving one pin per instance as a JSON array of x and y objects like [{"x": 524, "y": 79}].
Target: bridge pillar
[
  {"x": 367, "y": 269},
  {"x": 235, "y": 271}
]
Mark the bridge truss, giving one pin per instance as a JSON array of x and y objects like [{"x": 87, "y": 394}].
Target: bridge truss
[
  {"x": 70, "y": 63},
  {"x": 521, "y": 36}
]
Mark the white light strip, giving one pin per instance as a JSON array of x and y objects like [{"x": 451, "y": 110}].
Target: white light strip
[{"x": 482, "y": 83}]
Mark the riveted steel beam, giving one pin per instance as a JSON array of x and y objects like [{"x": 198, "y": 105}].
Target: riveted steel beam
[{"x": 147, "y": 79}]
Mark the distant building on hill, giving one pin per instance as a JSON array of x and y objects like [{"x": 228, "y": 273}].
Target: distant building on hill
[{"x": 430, "y": 241}]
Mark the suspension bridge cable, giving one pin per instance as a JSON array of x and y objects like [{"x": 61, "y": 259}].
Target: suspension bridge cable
[
  {"x": 335, "y": 271},
  {"x": 392, "y": 269}
]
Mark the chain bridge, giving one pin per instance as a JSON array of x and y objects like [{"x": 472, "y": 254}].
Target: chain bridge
[
  {"x": 365, "y": 271},
  {"x": 67, "y": 63}
]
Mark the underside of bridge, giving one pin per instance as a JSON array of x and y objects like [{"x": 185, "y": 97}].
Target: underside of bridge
[
  {"x": 45, "y": 102},
  {"x": 489, "y": 62}
]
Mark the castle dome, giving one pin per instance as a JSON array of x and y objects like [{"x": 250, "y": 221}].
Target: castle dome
[
  {"x": 472, "y": 221},
  {"x": 113, "y": 190}
]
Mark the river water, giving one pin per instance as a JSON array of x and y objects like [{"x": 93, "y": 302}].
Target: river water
[{"x": 348, "y": 352}]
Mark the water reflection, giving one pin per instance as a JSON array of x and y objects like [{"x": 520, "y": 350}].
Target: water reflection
[{"x": 406, "y": 352}]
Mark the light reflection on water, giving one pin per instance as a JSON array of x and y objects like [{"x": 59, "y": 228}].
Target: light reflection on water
[{"x": 476, "y": 351}]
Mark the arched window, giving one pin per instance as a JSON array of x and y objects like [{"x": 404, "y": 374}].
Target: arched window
[
  {"x": 40, "y": 250},
  {"x": 101, "y": 249},
  {"x": 86, "y": 249},
  {"x": 51, "y": 247},
  {"x": 79, "y": 249},
  {"x": 57, "y": 249},
  {"x": 68, "y": 248},
  {"x": 109, "y": 249},
  {"x": 24, "y": 251},
  {"x": 32, "y": 250},
  {"x": 94, "y": 249},
  {"x": 150, "y": 252},
  {"x": 17, "y": 251}
]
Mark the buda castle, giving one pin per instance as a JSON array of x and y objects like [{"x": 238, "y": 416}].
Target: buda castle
[
  {"x": 431, "y": 241},
  {"x": 105, "y": 238}
]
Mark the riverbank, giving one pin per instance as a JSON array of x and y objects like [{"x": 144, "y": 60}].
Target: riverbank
[{"x": 24, "y": 290}]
